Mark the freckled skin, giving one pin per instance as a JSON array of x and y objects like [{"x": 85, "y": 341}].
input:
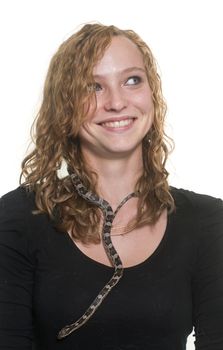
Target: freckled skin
[{"x": 122, "y": 92}]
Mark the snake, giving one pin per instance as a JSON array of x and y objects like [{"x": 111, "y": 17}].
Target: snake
[{"x": 108, "y": 215}]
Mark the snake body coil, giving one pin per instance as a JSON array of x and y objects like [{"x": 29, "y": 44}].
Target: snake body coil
[{"x": 111, "y": 252}]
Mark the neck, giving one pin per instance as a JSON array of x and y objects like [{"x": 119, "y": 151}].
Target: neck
[
  {"x": 116, "y": 187},
  {"x": 116, "y": 178}
]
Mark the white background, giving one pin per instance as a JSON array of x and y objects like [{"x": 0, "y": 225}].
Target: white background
[{"x": 185, "y": 37}]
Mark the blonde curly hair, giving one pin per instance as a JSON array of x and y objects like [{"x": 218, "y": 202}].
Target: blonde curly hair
[{"x": 66, "y": 100}]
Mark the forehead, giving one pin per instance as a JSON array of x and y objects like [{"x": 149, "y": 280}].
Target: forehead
[{"x": 121, "y": 54}]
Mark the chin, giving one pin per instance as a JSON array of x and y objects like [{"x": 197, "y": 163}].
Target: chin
[{"x": 123, "y": 151}]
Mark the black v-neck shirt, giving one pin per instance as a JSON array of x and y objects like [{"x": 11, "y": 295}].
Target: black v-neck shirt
[{"x": 46, "y": 282}]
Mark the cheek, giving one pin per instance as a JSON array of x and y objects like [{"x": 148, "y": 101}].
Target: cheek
[
  {"x": 144, "y": 101},
  {"x": 83, "y": 132},
  {"x": 146, "y": 106},
  {"x": 90, "y": 109},
  {"x": 87, "y": 130}
]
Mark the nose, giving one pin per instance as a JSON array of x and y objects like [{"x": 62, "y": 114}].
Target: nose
[{"x": 115, "y": 100}]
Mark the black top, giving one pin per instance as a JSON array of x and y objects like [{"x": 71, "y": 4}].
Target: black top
[{"x": 46, "y": 282}]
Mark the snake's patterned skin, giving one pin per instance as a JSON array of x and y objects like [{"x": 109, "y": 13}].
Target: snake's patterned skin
[{"x": 109, "y": 216}]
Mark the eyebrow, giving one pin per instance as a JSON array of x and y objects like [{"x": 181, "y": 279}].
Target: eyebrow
[{"x": 126, "y": 70}]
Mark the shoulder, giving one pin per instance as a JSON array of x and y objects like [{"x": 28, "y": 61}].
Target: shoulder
[
  {"x": 202, "y": 211},
  {"x": 200, "y": 204},
  {"x": 17, "y": 212},
  {"x": 21, "y": 228},
  {"x": 18, "y": 196},
  {"x": 17, "y": 202}
]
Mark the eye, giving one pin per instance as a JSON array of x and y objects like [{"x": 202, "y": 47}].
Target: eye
[
  {"x": 94, "y": 87},
  {"x": 97, "y": 87},
  {"x": 133, "y": 80}
]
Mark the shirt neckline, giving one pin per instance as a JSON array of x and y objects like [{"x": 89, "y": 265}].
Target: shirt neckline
[{"x": 135, "y": 267}]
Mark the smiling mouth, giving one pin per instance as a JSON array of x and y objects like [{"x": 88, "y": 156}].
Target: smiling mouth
[{"x": 117, "y": 124}]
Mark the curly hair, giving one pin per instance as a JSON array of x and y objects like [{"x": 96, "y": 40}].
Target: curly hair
[{"x": 66, "y": 101}]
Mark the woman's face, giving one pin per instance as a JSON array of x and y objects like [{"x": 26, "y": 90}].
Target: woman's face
[{"x": 124, "y": 107}]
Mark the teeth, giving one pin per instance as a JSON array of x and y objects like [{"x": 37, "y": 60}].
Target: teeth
[{"x": 118, "y": 124}]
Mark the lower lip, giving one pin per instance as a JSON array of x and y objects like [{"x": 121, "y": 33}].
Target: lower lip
[{"x": 119, "y": 129}]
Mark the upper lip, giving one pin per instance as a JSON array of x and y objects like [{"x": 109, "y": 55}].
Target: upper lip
[{"x": 115, "y": 119}]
